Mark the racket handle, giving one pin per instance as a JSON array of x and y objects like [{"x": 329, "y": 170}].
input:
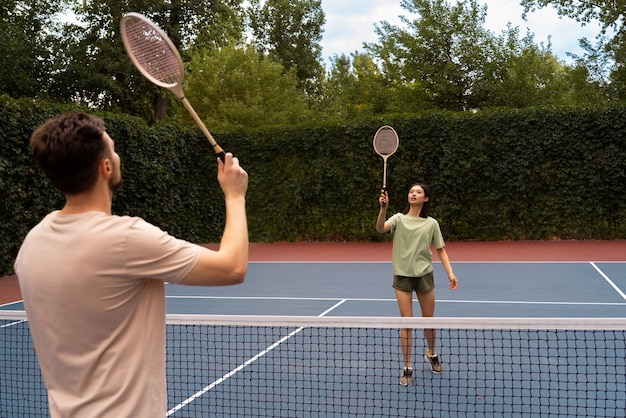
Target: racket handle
[
  {"x": 219, "y": 152},
  {"x": 384, "y": 178}
]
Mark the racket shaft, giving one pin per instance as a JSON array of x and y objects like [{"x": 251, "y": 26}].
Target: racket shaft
[
  {"x": 218, "y": 150},
  {"x": 385, "y": 174}
]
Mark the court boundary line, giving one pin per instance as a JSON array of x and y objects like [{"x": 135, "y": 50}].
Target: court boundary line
[
  {"x": 10, "y": 324},
  {"x": 609, "y": 281},
  {"x": 343, "y": 299}
]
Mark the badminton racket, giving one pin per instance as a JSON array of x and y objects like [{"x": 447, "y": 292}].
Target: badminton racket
[
  {"x": 385, "y": 144},
  {"x": 158, "y": 59}
]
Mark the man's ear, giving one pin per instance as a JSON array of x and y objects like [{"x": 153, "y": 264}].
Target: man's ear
[{"x": 106, "y": 168}]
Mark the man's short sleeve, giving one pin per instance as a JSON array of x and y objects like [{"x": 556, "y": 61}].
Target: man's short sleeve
[{"x": 152, "y": 253}]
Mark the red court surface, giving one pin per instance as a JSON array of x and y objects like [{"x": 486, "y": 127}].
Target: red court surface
[
  {"x": 457, "y": 251},
  {"x": 584, "y": 251}
]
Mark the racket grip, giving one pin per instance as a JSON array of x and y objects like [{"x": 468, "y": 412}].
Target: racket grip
[{"x": 219, "y": 152}]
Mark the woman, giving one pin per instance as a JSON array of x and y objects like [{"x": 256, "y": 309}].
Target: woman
[{"x": 413, "y": 234}]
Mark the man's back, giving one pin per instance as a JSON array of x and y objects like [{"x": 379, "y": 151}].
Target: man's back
[{"x": 93, "y": 288}]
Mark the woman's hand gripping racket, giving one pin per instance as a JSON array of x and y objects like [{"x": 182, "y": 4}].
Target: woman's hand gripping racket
[
  {"x": 155, "y": 55},
  {"x": 385, "y": 144}
]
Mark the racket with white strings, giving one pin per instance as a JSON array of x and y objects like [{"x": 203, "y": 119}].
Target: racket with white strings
[
  {"x": 385, "y": 144},
  {"x": 157, "y": 58}
]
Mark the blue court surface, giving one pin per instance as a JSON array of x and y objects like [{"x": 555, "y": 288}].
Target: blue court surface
[
  {"x": 292, "y": 371},
  {"x": 486, "y": 289}
]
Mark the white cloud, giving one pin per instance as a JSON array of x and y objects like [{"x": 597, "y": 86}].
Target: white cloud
[
  {"x": 349, "y": 23},
  {"x": 547, "y": 26}
]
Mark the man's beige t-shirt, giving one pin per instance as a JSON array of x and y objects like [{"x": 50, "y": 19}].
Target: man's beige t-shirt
[{"x": 94, "y": 293}]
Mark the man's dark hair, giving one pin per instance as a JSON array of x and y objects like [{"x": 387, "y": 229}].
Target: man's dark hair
[{"x": 69, "y": 148}]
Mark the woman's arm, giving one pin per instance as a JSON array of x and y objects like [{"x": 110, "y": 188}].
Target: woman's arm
[
  {"x": 445, "y": 261},
  {"x": 381, "y": 225}
]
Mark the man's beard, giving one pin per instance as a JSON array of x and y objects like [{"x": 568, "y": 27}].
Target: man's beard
[{"x": 115, "y": 183}]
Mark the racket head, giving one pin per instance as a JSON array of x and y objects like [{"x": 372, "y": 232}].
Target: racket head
[
  {"x": 151, "y": 51},
  {"x": 386, "y": 141}
]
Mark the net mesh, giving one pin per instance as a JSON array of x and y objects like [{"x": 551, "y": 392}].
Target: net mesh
[
  {"x": 386, "y": 141},
  {"x": 345, "y": 366},
  {"x": 151, "y": 52}
]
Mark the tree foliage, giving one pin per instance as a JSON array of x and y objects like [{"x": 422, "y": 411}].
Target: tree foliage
[
  {"x": 289, "y": 32},
  {"x": 611, "y": 41},
  {"x": 28, "y": 39},
  {"x": 530, "y": 75},
  {"x": 233, "y": 88},
  {"x": 443, "y": 51},
  {"x": 95, "y": 69},
  {"x": 607, "y": 12},
  {"x": 440, "y": 57},
  {"x": 445, "y": 58},
  {"x": 357, "y": 87}
]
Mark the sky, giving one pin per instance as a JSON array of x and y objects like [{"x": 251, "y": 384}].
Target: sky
[{"x": 349, "y": 23}]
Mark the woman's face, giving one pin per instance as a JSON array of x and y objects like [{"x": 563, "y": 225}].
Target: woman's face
[{"x": 417, "y": 196}]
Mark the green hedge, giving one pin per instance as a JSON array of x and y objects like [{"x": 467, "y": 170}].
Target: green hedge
[{"x": 500, "y": 174}]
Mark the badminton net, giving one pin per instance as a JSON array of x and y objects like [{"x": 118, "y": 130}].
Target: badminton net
[{"x": 232, "y": 366}]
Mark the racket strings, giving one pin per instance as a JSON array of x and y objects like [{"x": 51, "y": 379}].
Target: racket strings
[
  {"x": 152, "y": 53},
  {"x": 386, "y": 142}
]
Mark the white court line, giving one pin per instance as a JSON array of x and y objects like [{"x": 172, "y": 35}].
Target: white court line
[
  {"x": 10, "y": 324},
  {"x": 609, "y": 281},
  {"x": 4, "y": 305},
  {"x": 258, "y": 298},
  {"x": 314, "y": 299},
  {"x": 530, "y": 302},
  {"x": 245, "y": 364}
]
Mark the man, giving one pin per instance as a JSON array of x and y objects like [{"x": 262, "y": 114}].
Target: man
[{"x": 93, "y": 283}]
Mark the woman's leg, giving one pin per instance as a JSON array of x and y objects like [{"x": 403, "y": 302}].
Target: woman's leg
[
  {"x": 427, "y": 305},
  {"x": 405, "y": 303}
]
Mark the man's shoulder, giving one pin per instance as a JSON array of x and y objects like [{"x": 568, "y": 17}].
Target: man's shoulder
[{"x": 91, "y": 222}]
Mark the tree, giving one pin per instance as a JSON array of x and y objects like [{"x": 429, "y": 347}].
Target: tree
[
  {"x": 608, "y": 12},
  {"x": 356, "y": 87},
  {"x": 446, "y": 59},
  {"x": 611, "y": 46},
  {"x": 526, "y": 74},
  {"x": 232, "y": 88},
  {"x": 289, "y": 32},
  {"x": 96, "y": 70},
  {"x": 443, "y": 52},
  {"x": 29, "y": 32}
]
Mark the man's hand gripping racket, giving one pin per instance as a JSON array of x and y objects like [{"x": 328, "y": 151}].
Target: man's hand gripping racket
[
  {"x": 385, "y": 144},
  {"x": 157, "y": 58}
]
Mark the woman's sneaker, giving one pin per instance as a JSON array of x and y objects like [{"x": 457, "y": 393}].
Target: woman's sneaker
[
  {"x": 433, "y": 359},
  {"x": 406, "y": 378}
]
